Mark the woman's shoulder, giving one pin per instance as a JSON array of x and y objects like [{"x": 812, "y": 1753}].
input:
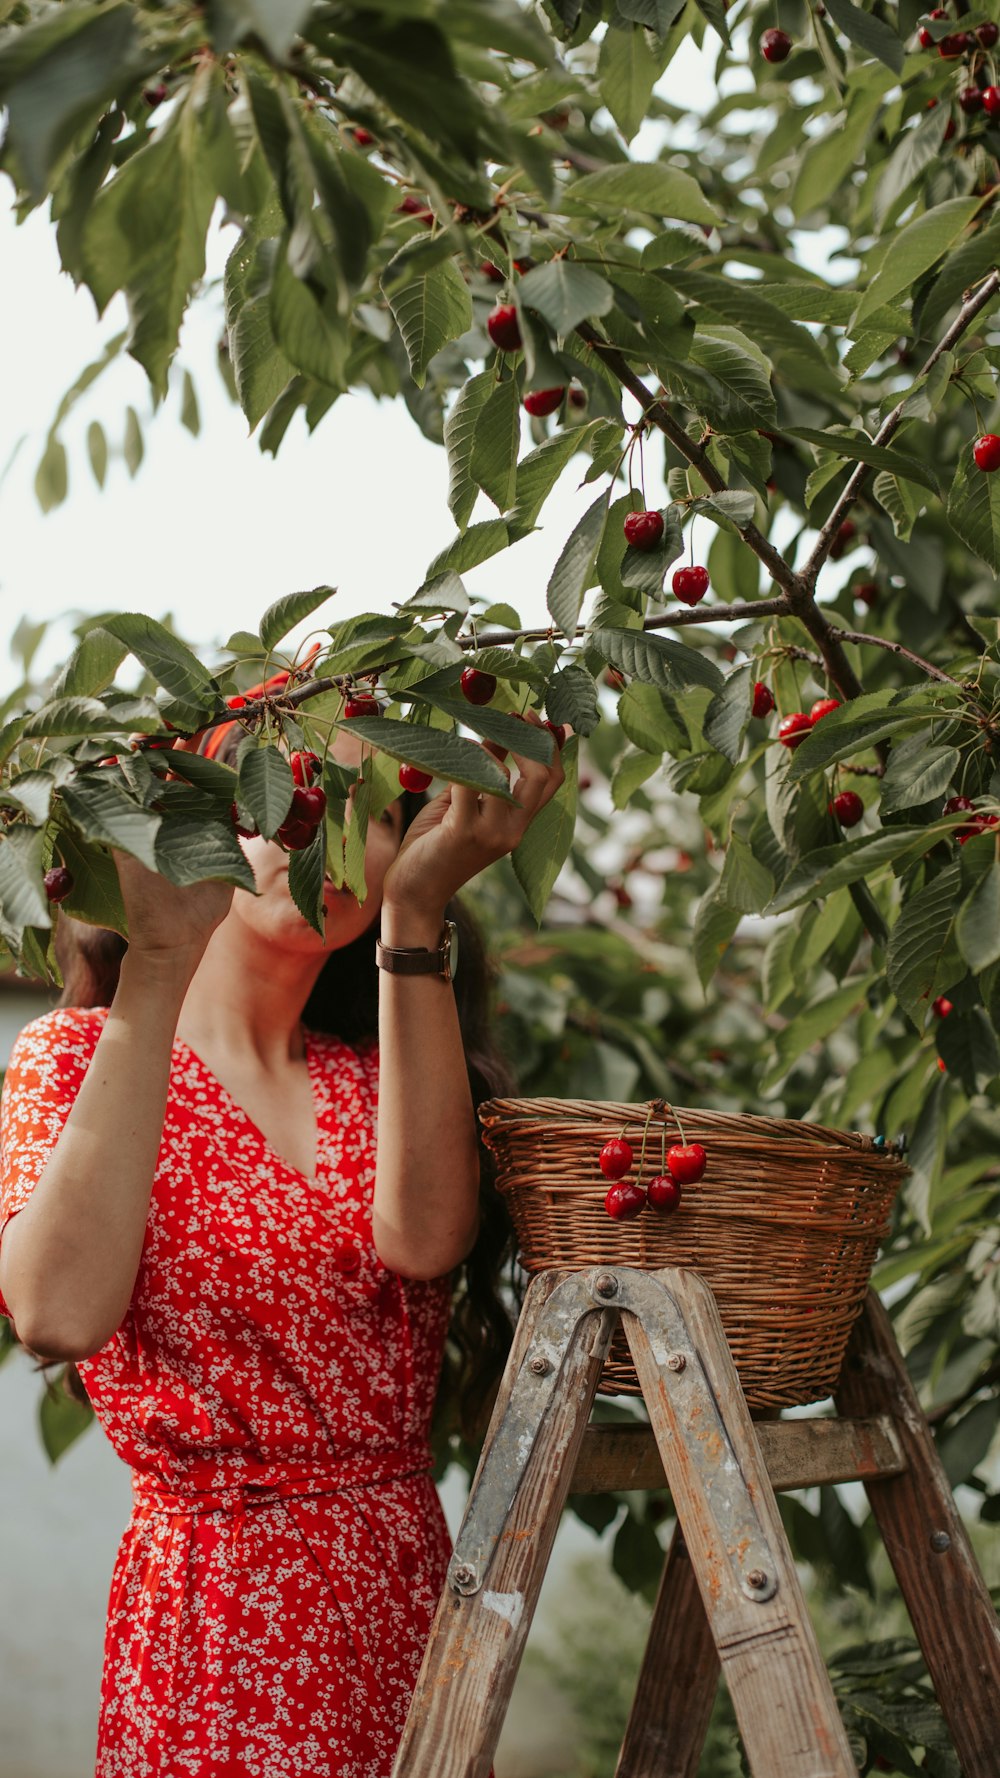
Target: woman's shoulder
[{"x": 74, "y": 1029}]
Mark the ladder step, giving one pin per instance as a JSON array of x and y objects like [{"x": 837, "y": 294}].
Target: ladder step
[{"x": 798, "y": 1454}]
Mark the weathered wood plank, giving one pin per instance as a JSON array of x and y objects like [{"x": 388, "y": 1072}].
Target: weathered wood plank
[
  {"x": 927, "y": 1543},
  {"x": 798, "y": 1454},
  {"x": 777, "y": 1678},
  {"x": 477, "y": 1640},
  {"x": 669, "y": 1718}
]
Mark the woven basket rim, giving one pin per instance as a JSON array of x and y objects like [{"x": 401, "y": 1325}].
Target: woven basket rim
[{"x": 578, "y": 1116}]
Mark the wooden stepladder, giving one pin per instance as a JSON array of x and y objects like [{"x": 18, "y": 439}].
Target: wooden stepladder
[{"x": 729, "y": 1594}]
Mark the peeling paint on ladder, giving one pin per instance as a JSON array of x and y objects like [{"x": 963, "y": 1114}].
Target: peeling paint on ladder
[{"x": 506, "y": 1605}]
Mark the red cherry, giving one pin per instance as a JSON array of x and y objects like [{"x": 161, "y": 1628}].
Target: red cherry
[
  {"x": 113, "y": 761},
  {"x": 308, "y": 805},
  {"x": 622, "y": 896},
  {"x": 686, "y": 1162},
  {"x": 522, "y": 265},
  {"x": 866, "y": 593},
  {"x": 822, "y": 707},
  {"x": 942, "y": 1064},
  {"x": 362, "y": 705},
  {"x": 491, "y": 271},
  {"x": 763, "y": 699},
  {"x": 690, "y": 585},
  {"x": 540, "y": 402},
  {"x": 615, "y": 1158},
  {"x": 245, "y": 833},
  {"x": 412, "y": 206},
  {"x": 363, "y": 137},
  {"x": 952, "y": 46},
  {"x": 848, "y": 808},
  {"x": 941, "y": 1007},
  {"x": 624, "y": 1200},
  {"x": 295, "y": 836},
  {"x": 584, "y": 783},
  {"x": 925, "y": 40},
  {"x": 577, "y": 396},
  {"x": 987, "y": 34},
  {"x": 558, "y": 732},
  {"x": 502, "y": 327},
  {"x": 979, "y": 824},
  {"x": 305, "y": 767},
  {"x": 477, "y": 687},
  {"x": 949, "y": 130},
  {"x": 844, "y": 534},
  {"x": 775, "y": 46},
  {"x": 155, "y": 95},
  {"x": 412, "y": 778},
  {"x": 793, "y": 729},
  {"x": 970, "y": 99},
  {"x": 986, "y": 451},
  {"x": 958, "y": 805},
  {"x": 664, "y": 1194},
  {"x": 643, "y": 530},
  {"x": 236, "y": 702},
  {"x": 612, "y": 677},
  {"x": 58, "y": 882},
  {"x": 991, "y": 100}
]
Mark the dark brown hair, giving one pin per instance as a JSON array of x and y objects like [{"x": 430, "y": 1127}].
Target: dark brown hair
[{"x": 344, "y": 1002}]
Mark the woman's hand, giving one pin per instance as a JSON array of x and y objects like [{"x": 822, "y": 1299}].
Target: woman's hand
[
  {"x": 164, "y": 919},
  {"x": 458, "y": 833}
]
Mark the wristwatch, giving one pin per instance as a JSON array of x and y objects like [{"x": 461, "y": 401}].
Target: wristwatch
[{"x": 418, "y": 960}]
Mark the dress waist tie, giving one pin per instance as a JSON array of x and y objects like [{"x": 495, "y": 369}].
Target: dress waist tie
[{"x": 289, "y": 1482}]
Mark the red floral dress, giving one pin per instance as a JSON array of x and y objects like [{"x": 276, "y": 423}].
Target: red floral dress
[{"x": 271, "y": 1389}]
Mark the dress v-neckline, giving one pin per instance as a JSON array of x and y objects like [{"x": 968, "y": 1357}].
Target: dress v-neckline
[{"x": 310, "y": 1179}]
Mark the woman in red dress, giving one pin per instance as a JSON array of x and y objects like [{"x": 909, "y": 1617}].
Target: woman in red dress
[{"x": 240, "y": 1178}]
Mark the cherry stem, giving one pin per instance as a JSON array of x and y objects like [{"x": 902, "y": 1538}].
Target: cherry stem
[
  {"x": 642, "y": 475},
  {"x": 663, "y": 1148},
  {"x": 645, "y": 1132}
]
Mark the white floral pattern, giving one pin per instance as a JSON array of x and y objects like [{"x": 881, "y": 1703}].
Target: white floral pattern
[{"x": 271, "y": 1388}]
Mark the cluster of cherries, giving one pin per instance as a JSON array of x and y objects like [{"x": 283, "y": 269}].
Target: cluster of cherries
[
  {"x": 477, "y": 688},
  {"x": 961, "y": 805},
  {"x": 643, "y": 531},
  {"x": 847, "y": 806},
  {"x": 961, "y": 43},
  {"x": 682, "y": 1164},
  {"x": 505, "y": 332},
  {"x": 306, "y": 811}
]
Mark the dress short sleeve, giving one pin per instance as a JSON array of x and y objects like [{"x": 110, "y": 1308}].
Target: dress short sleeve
[{"x": 45, "y": 1072}]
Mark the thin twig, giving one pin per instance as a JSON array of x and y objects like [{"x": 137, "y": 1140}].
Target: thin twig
[
  {"x": 966, "y": 315},
  {"x": 917, "y": 660}
]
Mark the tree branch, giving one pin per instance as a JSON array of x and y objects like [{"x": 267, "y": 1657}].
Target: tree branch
[{"x": 966, "y": 315}]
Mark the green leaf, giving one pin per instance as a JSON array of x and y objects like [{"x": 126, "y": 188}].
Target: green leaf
[
  {"x": 494, "y": 725},
  {"x": 146, "y": 235},
  {"x": 96, "y": 896},
  {"x": 631, "y": 771},
  {"x": 52, "y": 475},
  {"x": 275, "y": 22},
  {"x": 868, "y": 33},
  {"x": 833, "y": 867},
  {"x": 627, "y": 71},
  {"x": 444, "y": 755},
  {"x": 71, "y": 716},
  {"x": 727, "y": 385},
  {"x": 977, "y": 928},
  {"x": 654, "y": 658},
  {"x": 917, "y": 149},
  {"x": 306, "y": 325},
  {"x": 61, "y": 1418},
  {"x": 537, "y": 474},
  {"x": 306, "y": 871},
  {"x": 475, "y": 545},
  {"x": 572, "y": 697},
  {"x": 103, "y": 811},
  {"x": 920, "y": 938},
  {"x": 23, "y": 901},
  {"x": 855, "y": 447},
  {"x": 288, "y": 611},
  {"x": 974, "y": 509},
  {"x": 813, "y": 1025},
  {"x": 190, "y": 416},
  {"x": 649, "y": 718},
  {"x": 544, "y": 847},
  {"x": 169, "y": 661},
  {"x": 728, "y": 715},
  {"x": 856, "y": 727},
  {"x": 31, "y": 792},
  {"x": 917, "y": 775},
  {"x": 260, "y": 368},
  {"x": 574, "y": 571},
  {"x": 641, "y": 187},
  {"x": 192, "y": 849},
  {"x": 714, "y": 926},
  {"x": 132, "y": 447},
  {"x": 968, "y": 1045},
  {"x": 265, "y": 786},
  {"x": 356, "y": 837},
  {"x": 914, "y": 250},
  {"x": 97, "y": 451},
  {"x": 493, "y": 463},
  {"x": 430, "y": 311},
  {"x": 459, "y": 439},
  {"x": 565, "y": 293},
  {"x": 56, "y": 74},
  {"x": 746, "y": 885}
]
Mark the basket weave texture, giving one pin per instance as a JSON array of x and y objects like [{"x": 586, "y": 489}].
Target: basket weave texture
[{"x": 784, "y": 1226}]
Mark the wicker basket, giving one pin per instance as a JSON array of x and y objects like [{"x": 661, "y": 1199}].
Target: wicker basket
[{"x": 784, "y": 1226}]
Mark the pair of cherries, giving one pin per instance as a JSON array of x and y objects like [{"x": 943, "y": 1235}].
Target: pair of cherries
[{"x": 685, "y": 1164}]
